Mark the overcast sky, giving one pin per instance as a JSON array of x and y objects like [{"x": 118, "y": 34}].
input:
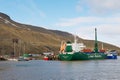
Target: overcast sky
[{"x": 75, "y": 16}]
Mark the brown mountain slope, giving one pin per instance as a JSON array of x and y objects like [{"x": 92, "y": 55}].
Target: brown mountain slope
[{"x": 32, "y": 39}]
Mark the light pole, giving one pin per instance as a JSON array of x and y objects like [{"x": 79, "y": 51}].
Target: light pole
[{"x": 15, "y": 41}]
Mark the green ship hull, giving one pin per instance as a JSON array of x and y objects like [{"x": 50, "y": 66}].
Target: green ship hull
[
  {"x": 82, "y": 56},
  {"x": 72, "y": 51}
]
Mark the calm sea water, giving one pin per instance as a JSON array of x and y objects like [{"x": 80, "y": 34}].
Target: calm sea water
[{"x": 60, "y": 70}]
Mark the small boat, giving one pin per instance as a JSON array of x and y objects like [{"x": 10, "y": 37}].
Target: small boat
[
  {"x": 46, "y": 58},
  {"x": 12, "y": 59},
  {"x": 17, "y": 59},
  {"x": 73, "y": 51},
  {"x": 112, "y": 54},
  {"x": 22, "y": 59},
  {"x": 2, "y": 58}
]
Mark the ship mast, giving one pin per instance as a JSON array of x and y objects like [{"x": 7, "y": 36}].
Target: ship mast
[
  {"x": 96, "y": 42},
  {"x": 75, "y": 39},
  {"x": 102, "y": 46}
]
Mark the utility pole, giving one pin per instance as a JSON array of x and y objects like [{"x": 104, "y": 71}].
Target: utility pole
[{"x": 15, "y": 41}]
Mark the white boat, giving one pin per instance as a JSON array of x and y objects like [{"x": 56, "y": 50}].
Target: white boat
[
  {"x": 112, "y": 54},
  {"x": 12, "y": 59},
  {"x": 23, "y": 59}
]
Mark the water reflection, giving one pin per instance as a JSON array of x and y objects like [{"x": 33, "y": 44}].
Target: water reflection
[{"x": 60, "y": 70}]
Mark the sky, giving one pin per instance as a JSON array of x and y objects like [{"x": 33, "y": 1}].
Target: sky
[{"x": 79, "y": 17}]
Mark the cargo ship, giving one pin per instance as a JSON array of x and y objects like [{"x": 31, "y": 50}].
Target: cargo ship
[{"x": 75, "y": 51}]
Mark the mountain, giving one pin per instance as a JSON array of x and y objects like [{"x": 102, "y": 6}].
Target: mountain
[{"x": 22, "y": 38}]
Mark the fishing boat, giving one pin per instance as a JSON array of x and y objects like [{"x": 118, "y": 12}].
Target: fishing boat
[
  {"x": 112, "y": 54},
  {"x": 25, "y": 57},
  {"x": 74, "y": 51},
  {"x": 2, "y": 58},
  {"x": 22, "y": 59}
]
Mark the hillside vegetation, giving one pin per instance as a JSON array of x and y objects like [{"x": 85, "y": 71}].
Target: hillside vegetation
[{"x": 33, "y": 39}]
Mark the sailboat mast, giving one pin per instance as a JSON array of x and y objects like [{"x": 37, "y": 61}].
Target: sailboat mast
[{"x": 96, "y": 42}]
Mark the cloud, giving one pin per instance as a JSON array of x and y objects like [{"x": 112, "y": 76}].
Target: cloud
[
  {"x": 106, "y": 33},
  {"x": 75, "y": 21},
  {"x": 88, "y": 20},
  {"x": 29, "y": 7},
  {"x": 28, "y": 12},
  {"x": 103, "y": 29},
  {"x": 36, "y": 9},
  {"x": 108, "y": 27},
  {"x": 99, "y": 6}
]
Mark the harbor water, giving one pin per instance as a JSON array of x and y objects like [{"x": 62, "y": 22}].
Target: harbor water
[{"x": 60, "y": 70}]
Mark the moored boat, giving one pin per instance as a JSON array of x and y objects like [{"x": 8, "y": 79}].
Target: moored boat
[
  {"x": 73, "y": 51},
  {"x": 112, "y": 54},
  {"x": 2, "y": 58},
  {"x": 12, "y": 59}
]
